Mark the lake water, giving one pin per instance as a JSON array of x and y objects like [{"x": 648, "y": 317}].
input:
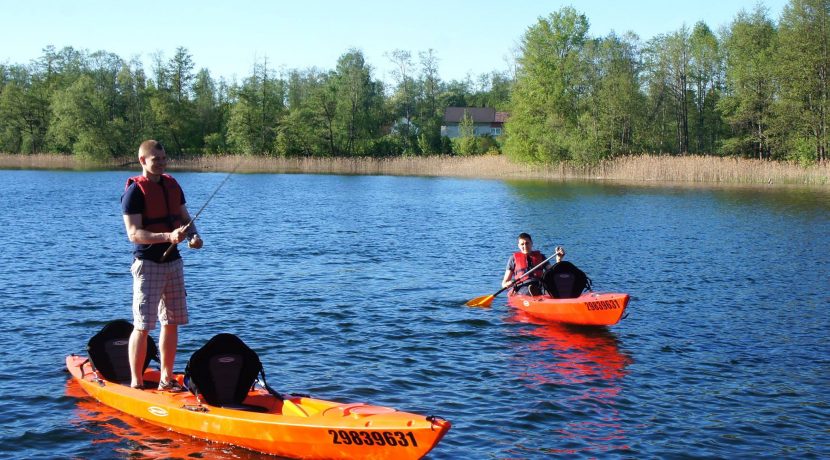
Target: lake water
[{"x": 352, "y": 288}]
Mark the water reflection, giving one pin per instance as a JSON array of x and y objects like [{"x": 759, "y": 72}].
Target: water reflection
[
  {"x": 540, "y": 190},
  {"x": 581, "y": 368},
  {"x": 580, "y": 354},
  {"x": 115, "y": 434},
  {"x": 797, "y": 202},
  {"x": 787, "y": 199}
]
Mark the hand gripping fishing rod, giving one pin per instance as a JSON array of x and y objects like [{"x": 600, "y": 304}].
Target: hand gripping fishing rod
[{"x": 193, "y": 219}]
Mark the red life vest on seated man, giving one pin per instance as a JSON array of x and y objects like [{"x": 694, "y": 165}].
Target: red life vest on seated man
[
  {"x": 162, "y": 203},
  {"x": 526, "y": 262}
]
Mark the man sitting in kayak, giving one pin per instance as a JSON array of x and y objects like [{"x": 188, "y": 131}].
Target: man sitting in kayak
[{"x": 523, "y": 260}]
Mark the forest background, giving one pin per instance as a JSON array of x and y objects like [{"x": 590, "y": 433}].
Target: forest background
[{"x": 757, "y": 88}]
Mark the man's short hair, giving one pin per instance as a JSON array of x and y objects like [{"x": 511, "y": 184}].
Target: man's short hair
[
  {"x": 149, "y": 146},
  {"x": 525, "y": 236}
]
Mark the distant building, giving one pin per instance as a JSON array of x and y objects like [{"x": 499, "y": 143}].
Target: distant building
[{"x": 485, "y": 120}]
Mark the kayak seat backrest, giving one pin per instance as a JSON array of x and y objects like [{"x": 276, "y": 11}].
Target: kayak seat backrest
[
  {"x": 565, "y": 281},
  {"x": 223, "y": 371},
  {"x": 109, "y": 351}
]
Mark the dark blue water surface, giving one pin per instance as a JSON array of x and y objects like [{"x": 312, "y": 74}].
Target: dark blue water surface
[{"x": 352, "y": 288}]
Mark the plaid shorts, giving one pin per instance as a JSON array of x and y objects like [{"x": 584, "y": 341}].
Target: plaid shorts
[{"x": 158, "y": 293}]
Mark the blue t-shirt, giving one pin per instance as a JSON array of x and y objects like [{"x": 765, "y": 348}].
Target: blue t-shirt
[{"x": 132, "y": 202}]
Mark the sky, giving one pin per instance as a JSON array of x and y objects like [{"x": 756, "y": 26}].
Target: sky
[{"x": 469, "y": 38}]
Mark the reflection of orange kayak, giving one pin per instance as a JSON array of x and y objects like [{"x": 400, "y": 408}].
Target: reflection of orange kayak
[
  {"x": 587, "y": 365},
  {"x": 300, "y": 427},
  {"x": 582, "y": 353},
  {"x": 589, "y": 309}
]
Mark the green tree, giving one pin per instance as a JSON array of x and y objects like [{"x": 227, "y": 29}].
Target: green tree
[
  {"x": 492, "y": 90},
  {"x": 308, "y": 128},
  {"x": 667, "y": 60},
  {"x": 60, "y": 68},
  {"x": 403, "y": 99},
  {"x": 705, "y": 73},
  {"x": 254, "y": 118},
  {"x": 747, "y": 105},
  {"x": 429, "y": 114},
  {"x": 83, "y": 122},
  {"x": 455, "y": 93},
  {"x": 207, "y": 112},
  {"x": 178, "y": 114},
  {"x": 466, "y": 143},
  {"x": 545, "y": 100},
  {"x": 803, "y": 71},
  {"x": 613, "y": 109},
  {"x": 430, "y": 82},
  {"x": 325, "y": 99},
  {"x": 358, "y": 103},
  {"x": 133, "y": 103},
  {"x": 24, "y": 111},
  {"x": 297, "y": 134}
]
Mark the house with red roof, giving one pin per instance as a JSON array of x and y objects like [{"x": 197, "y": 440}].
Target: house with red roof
[{"x": 486, "y": 121}]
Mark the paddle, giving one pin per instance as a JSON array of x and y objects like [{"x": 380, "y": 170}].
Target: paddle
[
  {"x": 287, "y": 404},
  {"x": 487, "y": 300}
]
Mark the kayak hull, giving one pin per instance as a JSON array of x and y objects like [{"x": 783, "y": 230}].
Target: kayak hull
[
  {"x": 589, "y": 309},
  {"x": 300, "y": 427}
]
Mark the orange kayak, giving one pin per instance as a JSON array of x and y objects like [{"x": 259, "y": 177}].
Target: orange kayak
[
  {"x": 589, "y": 309},
  {"x": 298, "y": 427}
]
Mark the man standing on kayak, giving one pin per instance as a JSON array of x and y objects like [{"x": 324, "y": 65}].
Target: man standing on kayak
[
  {"x": 523, "y": 260},
  {"x": 156, "y": 217}
]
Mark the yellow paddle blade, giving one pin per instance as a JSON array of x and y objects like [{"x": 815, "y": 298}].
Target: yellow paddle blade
[
  {"x": 289, "y": 407},
  {"x": 483, "y": 301}
]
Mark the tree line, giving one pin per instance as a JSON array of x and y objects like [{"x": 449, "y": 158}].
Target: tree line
[{"x": 756, "y": 88}]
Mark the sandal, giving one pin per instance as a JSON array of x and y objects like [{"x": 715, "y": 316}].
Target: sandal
[{"x": 172, "y": 385}]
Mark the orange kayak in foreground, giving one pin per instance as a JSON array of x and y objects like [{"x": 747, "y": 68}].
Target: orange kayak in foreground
[
  {"x": 298, "y": 427},
  {"x": 589, "y": 309}
]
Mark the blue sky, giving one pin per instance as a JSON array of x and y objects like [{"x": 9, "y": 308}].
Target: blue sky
[{"x": 228, "y": 37}]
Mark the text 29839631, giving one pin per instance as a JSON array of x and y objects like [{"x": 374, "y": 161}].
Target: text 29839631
[
  {"x": 371, "y": 438},
  {"x": 602, "y": 305}
]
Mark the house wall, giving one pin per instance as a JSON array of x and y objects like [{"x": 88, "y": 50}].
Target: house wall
[{"x": 480, "y": 129}]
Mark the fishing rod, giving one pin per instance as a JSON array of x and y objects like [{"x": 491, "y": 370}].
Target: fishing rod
[{"x": 193, "y": 219}]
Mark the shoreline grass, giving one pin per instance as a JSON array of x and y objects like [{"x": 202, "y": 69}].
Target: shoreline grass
[{"x": 643, "y": 169}]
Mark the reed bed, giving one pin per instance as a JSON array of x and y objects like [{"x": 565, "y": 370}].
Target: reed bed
[{"x": 639, "y": 169}]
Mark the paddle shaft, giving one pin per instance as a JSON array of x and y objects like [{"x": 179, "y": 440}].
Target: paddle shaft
[
  {"x": 193, "y": 219},
  {"x": 525, "y": 274}
]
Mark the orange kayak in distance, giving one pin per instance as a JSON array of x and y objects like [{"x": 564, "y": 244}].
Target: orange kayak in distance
[
  {"x": 296, "y": 427},
  {"x": 589, "y": 309}
]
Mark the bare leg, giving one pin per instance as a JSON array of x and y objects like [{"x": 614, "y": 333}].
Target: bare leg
[
  {"x": 168, "y": 340},
  {"x": 138, "y": 354}
]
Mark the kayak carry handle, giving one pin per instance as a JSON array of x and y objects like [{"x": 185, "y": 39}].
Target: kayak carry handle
[{"x": 436, "y": 420}]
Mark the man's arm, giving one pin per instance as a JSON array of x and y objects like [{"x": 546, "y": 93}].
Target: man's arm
[
  {"x": 508, "y": 278},
  {"x": 137, "y": 234}
]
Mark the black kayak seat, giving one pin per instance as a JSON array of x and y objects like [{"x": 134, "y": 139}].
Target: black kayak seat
[
  {"x": 565, "y": 281},
  {"x": 109, "y": 351},
  {"x": 223, "y": 371}
]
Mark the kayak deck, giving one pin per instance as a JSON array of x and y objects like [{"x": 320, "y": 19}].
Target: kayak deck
[
  {"x": 589, "y": 309},
  {"x": 295, "y": 427}
]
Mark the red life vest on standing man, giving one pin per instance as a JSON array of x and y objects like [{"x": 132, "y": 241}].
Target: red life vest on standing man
[{"x": 162, "y": 203}]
